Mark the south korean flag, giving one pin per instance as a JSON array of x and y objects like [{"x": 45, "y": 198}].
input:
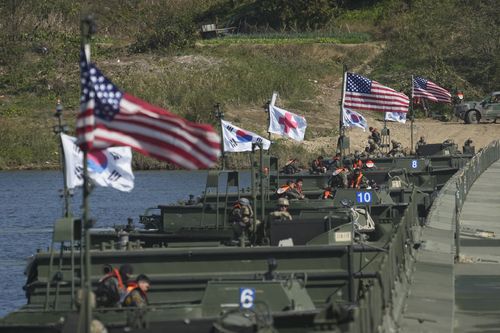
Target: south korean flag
[
  {"x": 240, "y": 140},
  {"x": 110, "y": 167}
]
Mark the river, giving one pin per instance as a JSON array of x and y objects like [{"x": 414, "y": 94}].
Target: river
[{"x": 30, "y": 203}]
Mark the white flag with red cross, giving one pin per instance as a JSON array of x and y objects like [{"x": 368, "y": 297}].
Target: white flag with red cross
[{"x": 286, "y": 123}]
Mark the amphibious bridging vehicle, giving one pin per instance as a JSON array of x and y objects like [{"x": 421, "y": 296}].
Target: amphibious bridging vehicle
[{"x": 333, "y": 268}]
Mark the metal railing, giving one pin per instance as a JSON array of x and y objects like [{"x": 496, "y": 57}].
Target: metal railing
[{"x": 466, "y": 177}]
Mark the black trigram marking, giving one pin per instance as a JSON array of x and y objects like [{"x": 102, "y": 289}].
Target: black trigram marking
[
  {"x": 79, "y": 172},
  {"x": 114, "y": 176},
  {"x": 115, "y": 156}
]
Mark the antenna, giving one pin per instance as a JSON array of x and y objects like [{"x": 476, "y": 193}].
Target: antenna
[
  {"x": 60, "y": 129},
  {"x": 220, "y": 115}
]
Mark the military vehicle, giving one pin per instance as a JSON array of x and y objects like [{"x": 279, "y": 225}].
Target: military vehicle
[
  {"x": 333, "y": 268},
  {"x": 486, "y": 110}
]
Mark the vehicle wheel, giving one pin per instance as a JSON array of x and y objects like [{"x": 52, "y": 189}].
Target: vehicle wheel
[{"x": 471, "y": 117}]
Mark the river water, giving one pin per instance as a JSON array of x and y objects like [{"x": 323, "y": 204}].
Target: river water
[{"x": 30, "y": 203}]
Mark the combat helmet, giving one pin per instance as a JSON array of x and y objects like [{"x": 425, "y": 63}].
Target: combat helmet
[
  {"x": 244, "y": 202},
  {"x": 283, "y": 202}
]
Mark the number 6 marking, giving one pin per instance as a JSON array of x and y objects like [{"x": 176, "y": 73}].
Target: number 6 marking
[{"x": 247, "y": 298}]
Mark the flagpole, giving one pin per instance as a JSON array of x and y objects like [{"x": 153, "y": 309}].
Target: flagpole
[
  {"x": 267, "y": 106},
  {"x": 87, "y": 29},
  {"x": 59, "y": 129},
  {"x": 412, "y": 116},
  {"x": 220, "y": 115},
  {"x": 341, "y": 140}
]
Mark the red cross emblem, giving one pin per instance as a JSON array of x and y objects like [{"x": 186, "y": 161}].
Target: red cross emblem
[{"x": 288, "y": 122}]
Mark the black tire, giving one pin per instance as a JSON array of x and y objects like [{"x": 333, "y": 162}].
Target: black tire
[{"x": 472, "y": 117}]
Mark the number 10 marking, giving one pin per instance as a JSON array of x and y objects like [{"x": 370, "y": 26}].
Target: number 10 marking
[{"x": 363, "y": 197}]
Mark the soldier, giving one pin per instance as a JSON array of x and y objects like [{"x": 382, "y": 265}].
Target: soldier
[
  {"x": 298, "y": 187},
  {"x": 289, "y": 191},
  {"x": 282, "y": 213},
  {"x": 397, "y": 149},
  {"x": 373, "y": 149},
  {"x": 137, "y": 292},
  {"x": 241, "y": 217},
  {"x": 318, "y": 166},
  {"x": 111, "y": 288},
  {"x": 468, "y": 148},
  {"x": 336, "y": 162},
  {"x": 291, "y": 167},
  {"x": 339, "y": 178},
  {"x": 359, "y": 180},
  {"x": 357, "y": 164},
  {"x": 328, "y": 193},
  {"x": 375, "y": 135},
  {"x": 420, "y": 142}
]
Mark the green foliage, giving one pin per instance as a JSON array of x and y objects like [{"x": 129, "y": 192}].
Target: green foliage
[
  {"x": 170, "y": 31},
  {"x": 455, "y": 44},
  {"x": 169, "y": 25},
  {"x": 29, "y": 145},
  {"x": 279, "y": 15}
]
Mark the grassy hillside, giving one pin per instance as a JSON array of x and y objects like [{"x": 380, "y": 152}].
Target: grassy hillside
[{"x": 153, "y": 49}]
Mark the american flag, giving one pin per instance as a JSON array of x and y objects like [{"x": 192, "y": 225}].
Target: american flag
[
  {"x": 109, "y": 117},
  {"x": 428, "y": 89},
  {"x": 362, "y": 93}
]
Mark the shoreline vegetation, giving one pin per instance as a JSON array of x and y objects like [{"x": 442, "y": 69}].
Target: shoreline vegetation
[{"x": 155, "y": 51}]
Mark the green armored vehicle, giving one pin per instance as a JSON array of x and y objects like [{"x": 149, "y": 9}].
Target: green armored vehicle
[{"x": 486, "y": 110}]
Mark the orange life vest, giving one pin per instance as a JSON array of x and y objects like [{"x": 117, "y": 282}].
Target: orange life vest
[
  {"x": 114, "y": 274},
  {"x": 356, "y": 182},
  {"x": 133, "y": 285}
]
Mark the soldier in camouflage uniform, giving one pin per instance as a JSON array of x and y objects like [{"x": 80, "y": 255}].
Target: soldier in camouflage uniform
[
  {"x": 397, "y": 149},
  {"x": 282, "y": 213},
  {"x": 241, "y": 217},
  {"x": 136, "y": 292},
  {"x": 420, "y": 142},
  {"x": 373, "y": 149},
  {"x": 358, "y": 180}
]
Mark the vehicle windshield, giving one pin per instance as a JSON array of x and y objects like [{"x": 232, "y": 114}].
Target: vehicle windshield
[{"x": 492, "y": 99}]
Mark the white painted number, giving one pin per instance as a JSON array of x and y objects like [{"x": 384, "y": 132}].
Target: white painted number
[
  {"x": 363, "y": 197},
  {"x": 414, "y": 164},
  {"x": 247, "y": 298}
]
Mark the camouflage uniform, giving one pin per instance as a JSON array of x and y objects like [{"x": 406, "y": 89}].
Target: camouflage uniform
[
  {"x": 135, "y": 298},
  {"x": 282, "y": 214},
  {"x": 397, "y": 149},
  {"x": 241, "y": 217},
  {"x": 373, "y": 149},
  {"x": 420, "y": 142}
]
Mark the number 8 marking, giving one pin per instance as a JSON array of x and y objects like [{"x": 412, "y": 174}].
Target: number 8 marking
[{"x": 414, "y": 164}]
